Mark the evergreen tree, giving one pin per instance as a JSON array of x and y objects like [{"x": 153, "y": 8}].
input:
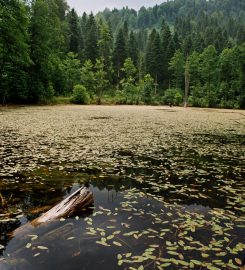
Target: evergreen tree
[
  {"x": 76, "y": 42},
  {"x": 125, "y": 31},
  {"x": 187, "y": 46},
  {"x": 91, "y": 40},
  {"x": 168, "y": 49},
  {"x": 119, "y": 54},
  {"x": 133, "y": 51},
  {"x": 83, "y": 23},
  {"x": 105, "y": 44},
  {"x": 62, "y": 8},
  {"x": 14, "y": 51},
  {"x": 154, "y": 60},
  {"x": 177, "y": 67},
  {"x": 46, "y": 41}
]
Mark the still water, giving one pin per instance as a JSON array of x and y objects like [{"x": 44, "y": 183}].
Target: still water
[{"x": 131, "y": 224}]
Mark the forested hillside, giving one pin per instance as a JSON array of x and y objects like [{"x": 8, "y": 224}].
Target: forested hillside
[{"x": 182, "y": 51}]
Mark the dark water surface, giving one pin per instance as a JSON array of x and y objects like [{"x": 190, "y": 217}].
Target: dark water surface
[{"x": 132, "y": 224}]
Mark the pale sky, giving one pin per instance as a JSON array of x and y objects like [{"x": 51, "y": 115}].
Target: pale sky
[{"x": 99, "y": 5}]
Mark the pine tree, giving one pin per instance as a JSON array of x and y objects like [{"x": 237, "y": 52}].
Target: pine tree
[
  {"x": 125, "y": 31},
  {"x": 154, "y": 60},
  {"x": 119, "y": 54},
  {"x": 187, "y": 46},
  {"x": 62, "y": 8},
  {"x": 105, "y": 44},
  {"x": 133, "y": 51},
  {"x": 83, "y": 23},
  {"x": 168, "y": 48},
  {"x": 76, "y": 42},
  {"x": 91, "y": 39}
]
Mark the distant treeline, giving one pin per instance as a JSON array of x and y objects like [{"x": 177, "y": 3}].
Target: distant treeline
[{"x": 177, "y": 52}]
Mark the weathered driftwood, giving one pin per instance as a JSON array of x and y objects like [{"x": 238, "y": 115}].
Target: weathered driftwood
[
  {"x": 47, "y": 232},
  {"x": 76, "y": 202}
]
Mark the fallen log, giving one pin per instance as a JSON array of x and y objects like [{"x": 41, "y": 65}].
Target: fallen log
[
  {"x": 76, "y": 202},
  {"x": 46, "y": 230}
]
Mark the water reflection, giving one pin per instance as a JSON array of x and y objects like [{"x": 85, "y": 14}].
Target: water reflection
[{"x": 131, "y": 216}]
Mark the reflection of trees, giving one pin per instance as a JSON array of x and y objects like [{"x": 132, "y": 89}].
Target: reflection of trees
[{"x": 5, "y": 229}]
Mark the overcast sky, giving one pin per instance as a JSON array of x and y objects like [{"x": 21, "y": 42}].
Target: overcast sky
[{"x": 99, "y": 5}]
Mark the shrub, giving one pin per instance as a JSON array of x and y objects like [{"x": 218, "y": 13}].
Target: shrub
[
  {"x": 173, "y": 97},
  {"x": 80, "y": 95},
  {"x": 45, "y": 95}
]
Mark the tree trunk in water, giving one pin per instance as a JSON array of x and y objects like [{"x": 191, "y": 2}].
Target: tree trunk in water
[{"x": 76, "y": 202}]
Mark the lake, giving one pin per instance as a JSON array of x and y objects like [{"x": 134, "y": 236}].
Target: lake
[{"x": 168, "y": 186}]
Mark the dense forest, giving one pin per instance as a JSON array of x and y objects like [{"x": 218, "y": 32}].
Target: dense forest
[{"x": 180, "y": 52}]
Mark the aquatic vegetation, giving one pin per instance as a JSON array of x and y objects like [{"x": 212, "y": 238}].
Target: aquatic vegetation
[{"x": 168, "y": 187}]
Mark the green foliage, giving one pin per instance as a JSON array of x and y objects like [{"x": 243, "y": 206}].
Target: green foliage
[
  {"x": 146, "y": 87},
  {"x": 91, "y": 39},
  {"x": 87, "y": 76},
  {"x": 119, "y": 54},
  {"x": 71, "y": 71},
  {"x": 46, "y": 94},
  {"x": 46, "y": 49},
  {"x": 76, "y": 41},
  {"x": 153, "y": 53},
  {"x": 128, "y": 83},
  {"x": 173, "y": 97},
  {"x": 177, "y": 67},
  {"x": 129, "y": 70},
  {"x": 101, "y": 83},
  {"x": 133, "y": 48},
  {"x": 105, "y": 44},
  {"x": 14, "y": 51},
  {"x": 80, "y": 95},
  {"x": 61, "y": 100}
]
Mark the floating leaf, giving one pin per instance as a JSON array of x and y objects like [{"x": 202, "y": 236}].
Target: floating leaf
[
  {"x": 36, "y": 255},
  {"x": 117, "y": 244},
  {"x": 165, "y": 264},
  {"x": 103, "y": 243},
  {"x": 70, "y": 238},
  {"x": 173, "y": 253},
  {"x": 28, "y": 245},
  {"x": 42, "y": 247},
  {"x": 196, "y": 262},
  {"x": 205, "y": 255},
  {"x": 238, "y": 261}
]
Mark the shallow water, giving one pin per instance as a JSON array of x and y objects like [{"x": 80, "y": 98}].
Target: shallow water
[
  {"x": 132, "y": 223},
  {"x": 171, "y": 199}
]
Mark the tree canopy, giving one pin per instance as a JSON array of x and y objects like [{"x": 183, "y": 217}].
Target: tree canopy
[{"x": 46, "y": 49}]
